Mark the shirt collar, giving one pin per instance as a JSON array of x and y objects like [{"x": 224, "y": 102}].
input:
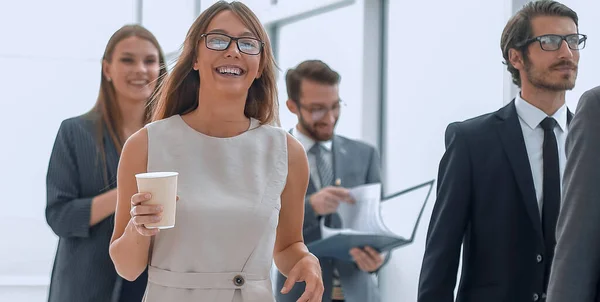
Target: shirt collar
[
  {"x": 308, "y": 142},
  {"x": 533, "y": 116}
]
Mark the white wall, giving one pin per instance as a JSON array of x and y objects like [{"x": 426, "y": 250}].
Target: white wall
[
  {"x": 169, "y": 21},
  {"x": 52, "y": 53},
  {"x": 450, "y": 72},
  {"x": 51, "y": 61}
]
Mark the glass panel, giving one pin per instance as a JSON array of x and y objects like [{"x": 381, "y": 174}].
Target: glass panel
[
  {"x": 169, "y": 21},
  {"x": 52, "y": 51},
  {"x": 441, "y": 80},
  {"x": 325, "y": 37}
]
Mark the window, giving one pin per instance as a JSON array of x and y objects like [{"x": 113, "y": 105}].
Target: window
[
  {"x": 338, "y": 44},
  {"x": 447, "y": 76},
  {"x": 169, "y": 21},
  {"x": 53, "y": 52}
]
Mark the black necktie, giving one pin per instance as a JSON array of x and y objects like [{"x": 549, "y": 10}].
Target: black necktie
[{"x": 551, "y": 186}]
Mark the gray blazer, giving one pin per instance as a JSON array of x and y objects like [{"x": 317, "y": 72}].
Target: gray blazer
[
  {"x": 83, "y": 270},
  {"x": 576, "y": 268},
  {"x": 355, "y": 163}
]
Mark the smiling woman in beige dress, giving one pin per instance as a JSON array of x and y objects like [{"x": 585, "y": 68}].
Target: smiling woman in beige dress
[{"x": 241, "y": 179}]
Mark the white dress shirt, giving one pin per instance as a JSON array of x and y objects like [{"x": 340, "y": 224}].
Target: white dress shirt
[
  {"x": 307, "y": 143},
  {"x": 530, "y": 118}
]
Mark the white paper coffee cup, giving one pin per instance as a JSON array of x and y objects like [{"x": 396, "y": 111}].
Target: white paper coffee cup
[{"x": 163, "y": 188}]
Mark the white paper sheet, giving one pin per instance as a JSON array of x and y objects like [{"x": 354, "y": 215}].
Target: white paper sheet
[{"x": 362, "y": 217}]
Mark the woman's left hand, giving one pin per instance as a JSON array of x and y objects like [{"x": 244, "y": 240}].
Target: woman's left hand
[{"x": 307, "y": 269}]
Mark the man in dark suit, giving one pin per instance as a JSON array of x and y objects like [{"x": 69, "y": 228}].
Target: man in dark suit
[
  {"x": 336, "y": 163},
  {"x": 499, "y": 179},
  {"x": 576, "y": 265}
]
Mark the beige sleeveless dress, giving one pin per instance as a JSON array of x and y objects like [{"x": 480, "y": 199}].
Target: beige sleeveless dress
[{"x": 221, "y": 248}]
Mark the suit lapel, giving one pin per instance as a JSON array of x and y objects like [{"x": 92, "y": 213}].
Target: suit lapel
[
  {"x": 339, "y": 158},
  {"x": 311, "y": 182},
  {"x": 112, "y": 159},
  {"x": 513, "y": 142}
]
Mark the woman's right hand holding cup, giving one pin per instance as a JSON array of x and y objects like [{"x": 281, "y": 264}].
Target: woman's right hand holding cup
[{"x": 142, "y": 214}]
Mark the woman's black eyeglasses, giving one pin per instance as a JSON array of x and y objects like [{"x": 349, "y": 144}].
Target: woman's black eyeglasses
[{"x": 221, "y": 42}]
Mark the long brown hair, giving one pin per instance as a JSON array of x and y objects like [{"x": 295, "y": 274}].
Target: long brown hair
[
  {"x": 179, "y": 92},
  {"x": 106, "y": 113}
]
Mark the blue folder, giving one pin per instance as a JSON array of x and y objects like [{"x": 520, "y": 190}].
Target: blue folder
[{"x": 339, "y": 246}]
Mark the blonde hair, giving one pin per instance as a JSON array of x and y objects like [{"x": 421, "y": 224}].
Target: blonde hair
[{"x": 179, "y": 92}]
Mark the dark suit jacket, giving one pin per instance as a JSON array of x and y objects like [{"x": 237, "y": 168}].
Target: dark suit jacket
[
  {"x": 486, "y": 201},
  {"x": 83, "y": 270},
  {"x": 355, "y": 163},
  {"x": 576, "y": 267}
]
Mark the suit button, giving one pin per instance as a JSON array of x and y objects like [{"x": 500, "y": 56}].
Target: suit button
[
  {"x": 536, "y": 297},
  {"x": 538, "y": 258},
  {"x": 238, "y": 280}
]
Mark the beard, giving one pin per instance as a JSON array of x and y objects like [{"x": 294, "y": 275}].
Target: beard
[
  {"x": 312, "y": 131},
  {"x": 542, "y": 79}
]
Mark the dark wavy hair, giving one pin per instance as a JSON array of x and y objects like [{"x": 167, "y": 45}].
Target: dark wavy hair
[{"x": 519, "y": 29}]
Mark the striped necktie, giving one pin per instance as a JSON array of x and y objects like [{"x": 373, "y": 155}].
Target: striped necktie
[{"x": 323, "y": 165}]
